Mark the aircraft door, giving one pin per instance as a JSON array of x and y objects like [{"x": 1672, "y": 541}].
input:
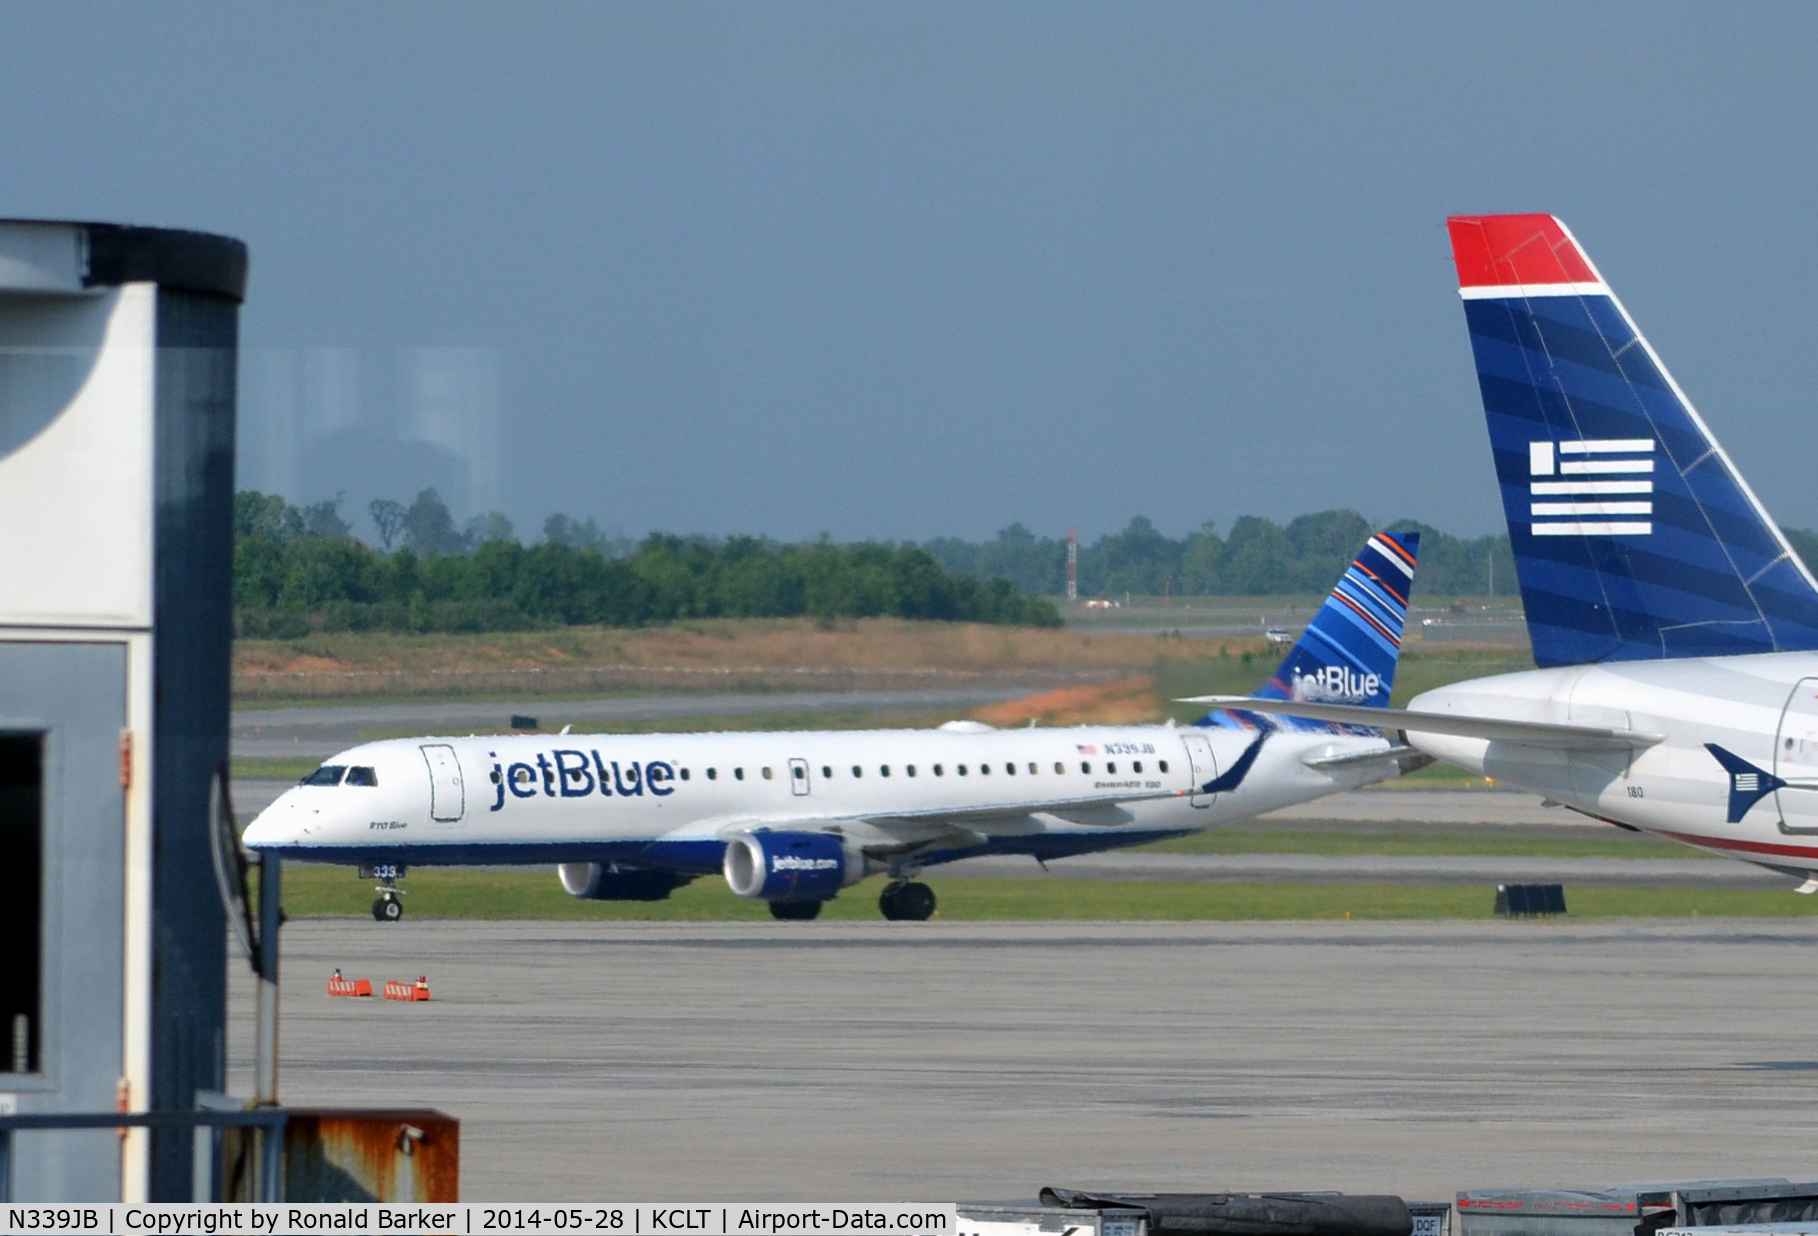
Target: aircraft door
[
  {"x": 1204, "y": 765},
  {"x": 447, "y": 793},
  {"x": 798, "y": 777},
  {"x": 1796, "y": 757}
]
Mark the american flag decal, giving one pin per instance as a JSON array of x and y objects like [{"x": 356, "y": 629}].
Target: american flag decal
[
  {"x": 1606, "y": 487},
  {"x": 1086, "y": 748}
]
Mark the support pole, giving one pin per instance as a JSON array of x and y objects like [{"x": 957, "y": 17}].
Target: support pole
[{"x": 271, "y": 1139}]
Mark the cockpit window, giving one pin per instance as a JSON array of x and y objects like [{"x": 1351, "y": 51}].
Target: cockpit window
[
  {"x": 328, "y": 774},
  {"x": 358, "y": 775}
]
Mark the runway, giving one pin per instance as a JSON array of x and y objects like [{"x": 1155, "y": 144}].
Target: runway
[
  {"x": 954, "y": 1061},
  {"x": 316, "y": 733}
]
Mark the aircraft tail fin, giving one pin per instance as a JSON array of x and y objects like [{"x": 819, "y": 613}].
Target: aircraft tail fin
[
  {"x": 1349, "y": 651},
  {"x": 1635, "y": 537}
]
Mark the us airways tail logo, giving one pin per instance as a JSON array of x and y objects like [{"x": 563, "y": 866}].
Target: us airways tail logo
[
  {"x": 1336, "y": 684},
  {"x": 1608, "y": 482}
]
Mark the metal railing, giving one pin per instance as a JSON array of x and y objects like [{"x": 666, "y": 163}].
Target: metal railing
[{"x": 270, "y": 1119}]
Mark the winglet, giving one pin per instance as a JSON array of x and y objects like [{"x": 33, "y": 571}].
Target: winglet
[{"x": 1748, "y": 784}]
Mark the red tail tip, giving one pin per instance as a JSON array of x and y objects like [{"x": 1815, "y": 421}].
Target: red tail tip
[{"x": 1502, "y": 250}]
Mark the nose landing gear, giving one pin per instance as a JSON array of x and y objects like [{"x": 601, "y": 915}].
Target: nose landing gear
[
  {"x": 389, "y": 908},
  {"x": 906, "y": 901}
]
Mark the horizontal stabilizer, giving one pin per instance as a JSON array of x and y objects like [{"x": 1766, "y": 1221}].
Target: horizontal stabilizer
[{"x": 1527, "y": 733}]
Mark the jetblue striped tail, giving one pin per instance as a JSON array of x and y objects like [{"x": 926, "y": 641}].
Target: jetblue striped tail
[
  {"x": 1348, "y": 653},
  {"x": 1635, "y": 537}
]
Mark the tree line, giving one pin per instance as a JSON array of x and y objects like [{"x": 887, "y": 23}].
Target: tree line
[
  {"x": 300, "y": 569},
  {"x": 1258, "y": 557}
]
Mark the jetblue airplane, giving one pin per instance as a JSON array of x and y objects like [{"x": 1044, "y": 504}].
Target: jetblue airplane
[
  {"x": 1675, "y": 628},
  {"x": 792, "y": 818}
]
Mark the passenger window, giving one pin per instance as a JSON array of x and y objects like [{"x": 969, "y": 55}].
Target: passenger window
[
  {"x": 883, "y": 770},
  {"x": 738, "y": 774},
  {"x": 1033, "y": 768},
  {"x": 984, "y": 770},
  {"x": 494, "y": 777},
  {"x": 328, "y": 774},
  {"x": 1085, "y": 766},
  {"x": 826, "y": 773},
  {"x": 1162, "y": 764},
  {"x": 910, "y": 769},
  {"x": 684, "y": 774},
  {"x": 1111, "y": 767},
  {"x": 857, "y": 771},
  {"x": 713, "y": 774},
  {"x": 1009, "y": 768},
  {"x": 960, "y": 769},
  {"x": 1059, "y": 768},
  {"x": 1137, "y": 766},
  {"x": 767, "y": 774},
  {"x": 939, "y": 771}
]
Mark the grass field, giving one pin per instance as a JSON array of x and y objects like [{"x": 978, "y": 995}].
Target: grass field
[
  {"x": 325, "y": 891},
  {"x": 1474, "y": 843}
]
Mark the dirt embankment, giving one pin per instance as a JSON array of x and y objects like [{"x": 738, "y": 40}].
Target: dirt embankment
[{"x": 755, "y": 654}]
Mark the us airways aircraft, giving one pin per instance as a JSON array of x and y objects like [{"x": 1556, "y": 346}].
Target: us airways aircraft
[
  {"x": 1675, "y": 628},
  {"x": 792, "y": 818}
]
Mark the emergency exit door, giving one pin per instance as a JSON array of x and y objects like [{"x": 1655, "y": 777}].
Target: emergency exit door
[
  {"x": 447, "y": 792},
  {"x": 1796, "y": 758},
  {"x": 1204, "y": 766}
]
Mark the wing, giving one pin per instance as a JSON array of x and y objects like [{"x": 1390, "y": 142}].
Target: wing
[{"x": 1527, "y": 733}]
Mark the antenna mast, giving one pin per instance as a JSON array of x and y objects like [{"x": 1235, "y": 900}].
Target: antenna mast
[{"x": 1073, "y": 564}]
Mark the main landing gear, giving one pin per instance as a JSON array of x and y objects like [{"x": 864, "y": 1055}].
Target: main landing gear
[
  {"x": 906, "y": 901},
  {"x": 795, "y": 911},
  {"x": 389, "y": 908}
]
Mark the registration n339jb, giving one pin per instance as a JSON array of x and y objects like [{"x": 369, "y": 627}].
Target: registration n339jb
[
  {"x": 1675, "y": 629},
  {"x": 793, "y": 818}
]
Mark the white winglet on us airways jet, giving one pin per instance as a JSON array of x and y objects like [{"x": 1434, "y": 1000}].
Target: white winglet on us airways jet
[
  {"x": 1675, "y": 628},
  {"x": 792, "y": 818}
]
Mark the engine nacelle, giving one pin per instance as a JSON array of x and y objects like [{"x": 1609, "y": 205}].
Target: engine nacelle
[
  {"x": 611, "y": 882},
  {"x": 778, "y": 866}
]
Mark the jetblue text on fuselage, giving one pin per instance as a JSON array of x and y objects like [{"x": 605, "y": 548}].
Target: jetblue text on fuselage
[
  {"x": 1336, "y": 683},
  {"x": 579, "y": 774}
]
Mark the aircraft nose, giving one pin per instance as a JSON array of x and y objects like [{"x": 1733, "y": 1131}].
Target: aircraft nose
[{"x": 274, "y": 826}]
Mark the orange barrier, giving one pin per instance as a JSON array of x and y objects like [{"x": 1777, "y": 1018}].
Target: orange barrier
[
  {"x": 418, "y": 990},
  {"x": 338, "y": 986}
]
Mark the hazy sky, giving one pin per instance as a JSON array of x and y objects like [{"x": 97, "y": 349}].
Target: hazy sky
[{"x": 911, "y": 270}]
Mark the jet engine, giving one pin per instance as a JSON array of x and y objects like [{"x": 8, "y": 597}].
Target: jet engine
[
  {"x": 611, "y": 882},
  {"x": 781, "y": 867}
]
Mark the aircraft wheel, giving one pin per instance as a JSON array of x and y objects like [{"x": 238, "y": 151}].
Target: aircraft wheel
[
  {"x": 911, "y": 902},
  {"x": 387, "y": 910},
  {"x": 795, "y": 911},
  {"x": 918, "y": 902}
]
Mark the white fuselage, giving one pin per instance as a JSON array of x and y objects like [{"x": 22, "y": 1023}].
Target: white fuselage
[
  {"x": 673, "y": 799},
  {"x": 1763, "y": 708}
]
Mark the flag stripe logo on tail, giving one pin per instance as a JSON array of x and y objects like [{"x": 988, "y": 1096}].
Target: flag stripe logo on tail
[{"x": 1591, "y": 512}]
